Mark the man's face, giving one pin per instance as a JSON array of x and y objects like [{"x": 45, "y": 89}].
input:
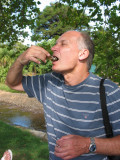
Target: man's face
[{"x": 67, "y": 52}]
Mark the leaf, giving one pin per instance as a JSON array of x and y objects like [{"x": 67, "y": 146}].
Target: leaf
[{"x": 14, "y": 18}]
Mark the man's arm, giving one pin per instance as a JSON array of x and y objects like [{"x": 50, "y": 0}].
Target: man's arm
[
  {"x": 14, "y": 76},
  {"x": 108, "y": 146},
  {"x": 72, "y": 146}
]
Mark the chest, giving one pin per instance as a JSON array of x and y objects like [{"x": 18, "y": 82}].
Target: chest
[{"x": 76, "y": 110}]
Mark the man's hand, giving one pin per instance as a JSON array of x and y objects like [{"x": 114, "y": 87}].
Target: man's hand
[
  {"x": 71, "y": 146},
  {"x": 35, "y": 54},
  {"x": 14, "y": 76}
]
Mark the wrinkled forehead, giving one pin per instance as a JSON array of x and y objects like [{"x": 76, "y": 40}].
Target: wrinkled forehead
[{"x": 70, "y": 36}]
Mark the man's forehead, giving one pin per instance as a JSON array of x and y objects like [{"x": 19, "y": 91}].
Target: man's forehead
[
  {"x": 68, "y": 36},
  {"x": 61, "y": 40}
]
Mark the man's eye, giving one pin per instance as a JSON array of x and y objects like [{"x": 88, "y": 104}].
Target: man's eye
[{"x": 63, "y": 44}]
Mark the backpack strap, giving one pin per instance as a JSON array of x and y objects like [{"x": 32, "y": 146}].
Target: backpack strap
[{"x": 106, "y": 121}]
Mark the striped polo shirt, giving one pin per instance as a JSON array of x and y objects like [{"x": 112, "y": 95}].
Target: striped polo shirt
[{"x": 75, "y": 109}]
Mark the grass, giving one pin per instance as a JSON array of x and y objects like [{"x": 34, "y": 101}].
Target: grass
[{"x": 23, "y": 144}]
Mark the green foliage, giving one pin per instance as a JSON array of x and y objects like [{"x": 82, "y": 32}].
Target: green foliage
[
  {"x": 23, "y": 145},
  {"x": 101, "y": 12},
  {"x": 8, "y": 56},
  {"x": 105, "y": 32},
  {"x": 14, "y": 17},
  {"x": 55, "y": 20},
  {"x": 93, "y": 7},
  {"x": 107, "y": 57},
  {"x": 47, "y": 44}
]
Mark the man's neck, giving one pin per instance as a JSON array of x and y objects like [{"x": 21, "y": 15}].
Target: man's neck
[{"x": 76, "y": 78}]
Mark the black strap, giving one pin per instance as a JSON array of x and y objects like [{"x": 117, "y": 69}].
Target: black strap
[{"x": 108, "y": 128}]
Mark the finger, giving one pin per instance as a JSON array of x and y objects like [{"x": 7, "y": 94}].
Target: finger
[
  {"x": 62, "y": 149},
  {"x": 67, "y": 158},
  {"x": 34, "y": 55},
  {"x": 41, "y": 57},
  {"x": 58, "y": 149},
  {"x": 38, "y": 53},
  {"x": 40, "y": 49},
  {"x": 63, "y": 138},
  {"x": 61, "y": 154},
  {"x": 63, "y": 142},
  {"x": 45, "y": 52},
  {"x": 34, "y": 60}
]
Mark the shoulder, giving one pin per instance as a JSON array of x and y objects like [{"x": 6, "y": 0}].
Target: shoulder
[
  {"x": 112, "y": 93},
  {"x": 94, "y": 80},
  {"x": 111, "y": 87},
  {"x": 53, "y": 76}
]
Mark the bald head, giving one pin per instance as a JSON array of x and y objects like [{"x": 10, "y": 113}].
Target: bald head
[
  {"x": 73, "y": 34},
  {"x": 84, "y": 42}
]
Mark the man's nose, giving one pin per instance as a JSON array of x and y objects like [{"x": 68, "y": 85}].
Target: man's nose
[{"x": 54, "y": 48}]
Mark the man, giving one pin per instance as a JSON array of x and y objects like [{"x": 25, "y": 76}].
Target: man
[{"x": 70, "y": 96}]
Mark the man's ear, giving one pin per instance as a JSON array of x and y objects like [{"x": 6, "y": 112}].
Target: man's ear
[{"x": 83, "y": 54}]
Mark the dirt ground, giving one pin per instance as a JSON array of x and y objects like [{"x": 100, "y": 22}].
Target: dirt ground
[
  {"x": 25, "y": 103},
  {"x": 21, "y": 100}
]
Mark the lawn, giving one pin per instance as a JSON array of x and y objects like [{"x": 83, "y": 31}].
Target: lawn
[{"x": 23, "y": 144}]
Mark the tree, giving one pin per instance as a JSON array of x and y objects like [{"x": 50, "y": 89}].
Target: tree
[
  {"x": 54, "y": 20},
  {"x": 103, "y": 13},
  {"x": 105, "y": 33},
  {"x": 107, "y": 55},
  {"x": 14, "y": 17},
  {"x": 8, "y": 56},
  {"x": 94, "y": 8}
]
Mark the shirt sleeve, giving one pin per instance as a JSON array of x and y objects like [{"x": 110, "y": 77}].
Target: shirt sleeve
[
  {"x": 113, "y": 105},
  {"x": 34, "y": 86}
]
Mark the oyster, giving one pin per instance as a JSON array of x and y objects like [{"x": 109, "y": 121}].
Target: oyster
[{"x": 53, "y": 58}]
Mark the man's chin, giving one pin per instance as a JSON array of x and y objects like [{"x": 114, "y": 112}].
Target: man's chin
[{"x": 56, "y": 70}]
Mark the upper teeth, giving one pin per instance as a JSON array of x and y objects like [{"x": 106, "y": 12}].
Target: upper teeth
[{"x": 54, "y": 58}]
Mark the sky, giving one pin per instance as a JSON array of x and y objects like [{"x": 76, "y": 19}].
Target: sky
[{"x": 43, "y": 4}]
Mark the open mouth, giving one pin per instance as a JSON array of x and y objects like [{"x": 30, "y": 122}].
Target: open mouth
[{"x": 54, "y": 58}]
